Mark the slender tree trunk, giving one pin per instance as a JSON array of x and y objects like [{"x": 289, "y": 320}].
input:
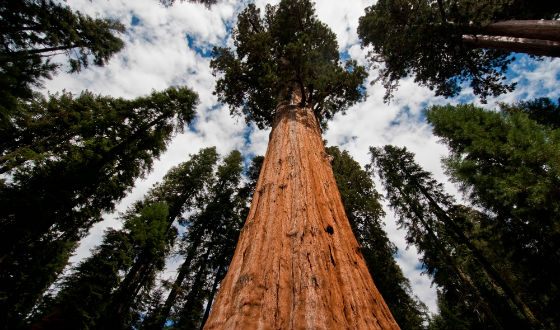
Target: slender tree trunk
[
  {"x": 535, "y": 37},
  {"x": 161, "y": 315},
  {"x": 217, "y": 278},
  {"x": 487, "y": 266},
  {"x": 297, "y": 263}
]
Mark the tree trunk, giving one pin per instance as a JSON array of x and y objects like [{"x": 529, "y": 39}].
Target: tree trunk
[
  {"x": 217, "y": 279},
  {"x": 532, "y": 29},
  {"x": 297, "y": 263},
  {"x": 519, "y": 45}
]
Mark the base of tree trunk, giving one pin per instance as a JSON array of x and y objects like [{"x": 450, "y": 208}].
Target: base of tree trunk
[{"x": 297, "y": 264}]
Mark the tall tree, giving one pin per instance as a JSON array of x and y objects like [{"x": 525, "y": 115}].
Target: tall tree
[
  {"x": 181, "y": 189},
  {"x": 32, "y": 32},
  {"x": 211, "y": 233},
  {"x": 440, "y": 42},
  {"x": 440, "y": 229},
  {"x": 64, "y": 177},
  {"x": 508, "y": 163},
  {"x": 129, "y": 258},
  {"x": 361, "y": 203},
  {"x": 85, "y": 294},
  {"x": 297, "y": 261}
]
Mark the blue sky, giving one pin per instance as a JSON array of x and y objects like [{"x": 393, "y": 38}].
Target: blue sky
[{"x": 170, "y": 46}]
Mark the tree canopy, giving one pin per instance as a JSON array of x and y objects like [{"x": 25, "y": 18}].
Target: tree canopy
[
  {"x": 32, "y": 32},
  {"x": 282, "y": 51},
  {"x": 507, "y": 163},
  {"x": 70, "y": 159},
  {"x": 424, "y": 39}
]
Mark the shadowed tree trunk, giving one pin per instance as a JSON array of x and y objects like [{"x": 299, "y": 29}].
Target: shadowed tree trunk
[{"x": 297, "y": 263}]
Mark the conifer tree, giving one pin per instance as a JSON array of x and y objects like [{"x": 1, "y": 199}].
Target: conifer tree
[
  {"x": 297, "y": 261},
  {"x": 128, "y": 259},
  {"x": 181, "y": 190},
  {"x": 74, "y": 158},
  {"x": 508, "y": 164},
  {"x": 361, "y": 203},
  {"x": 440, "y": 230},
  {"x": 444, "y": 44},
  {"x": 32, "y": 32},
  {"x": 208, "y": 245},
  {"x": 85, "y": 295}
]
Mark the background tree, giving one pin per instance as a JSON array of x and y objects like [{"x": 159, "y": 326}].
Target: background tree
[
  {"x": 508, "y": 164},
  {"x": 64, "y": 177},
  {"x": 297, "y": 261},
  {"x": 542, "y": 110},
  {"x": 443, "y": 232},
  {"x": 361, "y": 203},
  {"x": 181, "y": 189},
  {"x": 85, "y": 294},
  {"x": 432, "y": 41},
  {"x": 32, "y": 32},
  {"x": 128, "y": 259},
  {"x": 209, "y": 240}
]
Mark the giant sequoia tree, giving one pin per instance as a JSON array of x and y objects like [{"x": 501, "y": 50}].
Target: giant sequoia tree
[
  {"x": 446, "y": 43},
  {"x": 297, "y": 263}
]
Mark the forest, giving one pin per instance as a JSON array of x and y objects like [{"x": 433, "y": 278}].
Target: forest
[{"x": 289, "y": 164}]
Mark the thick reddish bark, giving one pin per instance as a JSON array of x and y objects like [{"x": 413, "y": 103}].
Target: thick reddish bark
[{"x": 297, "y": 264}]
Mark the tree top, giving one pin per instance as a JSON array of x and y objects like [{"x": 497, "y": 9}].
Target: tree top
[{"x": 284, "y": 51}]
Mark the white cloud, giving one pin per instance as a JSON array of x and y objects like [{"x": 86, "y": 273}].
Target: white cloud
[{"x": 157, "y": 56}]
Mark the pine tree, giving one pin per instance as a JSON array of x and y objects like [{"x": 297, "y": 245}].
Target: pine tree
[
  {"x": 32, "y": 32},
  {"x": 508, "y": 163},
  {"x": 446, "y": 43},
  {"x": 297, "y": 261},
  {"x": 440, "y": 230},
  {"x": 361, "y": 203},
  {"x": 181, "y": 189},
  {"x": 85, "y": 295},
  {"x": 216, "y": 216},
  {"x": 137, "y": 252},
  {"x": 73, "y": 159}
]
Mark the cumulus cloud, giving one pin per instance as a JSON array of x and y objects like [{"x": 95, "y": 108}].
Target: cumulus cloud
[{"x": 169, "y": 46}]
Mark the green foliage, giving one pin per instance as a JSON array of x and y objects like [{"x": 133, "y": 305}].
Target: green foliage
[
  {"x": 284, "y": 52},
  {"x": 32, "y": 32},
  {"x": 509, "y": 164},
  {"x": 85, "y": 294},
  {"x": 461, "y": 247},
  {"x": 208, "y": 245},
  {"x": 424, "y": 39},
  {"x": 542, "y": 110},
  {"x": 70, "y": 159},
  {"x": 117, "y": 279},
  {"x": 361, "y": 203}
]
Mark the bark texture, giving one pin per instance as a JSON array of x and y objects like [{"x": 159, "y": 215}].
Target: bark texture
[
  {"x": 521, "y": 45},
  {"x": 297, "y": 264}
]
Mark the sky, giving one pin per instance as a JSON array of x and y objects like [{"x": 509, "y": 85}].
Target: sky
[{"x": 171, "y": 47}]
